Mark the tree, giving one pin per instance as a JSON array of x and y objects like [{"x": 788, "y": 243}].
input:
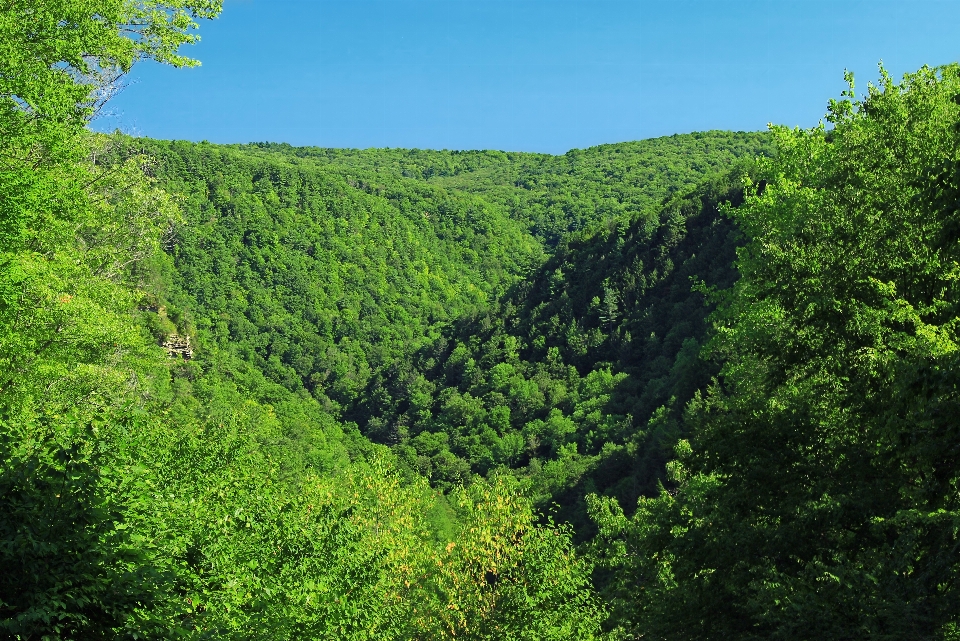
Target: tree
[
  {"x": 69, "y": 229},
  {"x": 817, "y": 495},
  {"x": 54, "y": 57}
]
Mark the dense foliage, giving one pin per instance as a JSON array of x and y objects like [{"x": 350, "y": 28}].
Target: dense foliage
[
  {"x": 144, "y": 496},
  {"x": 349, "y": 277},
  {"x": 679, "y": 388},
  {"x": 318, "y": 280},
  {"x": 556, "y": 195},
  {"x": 577, "y": 377},
  {"x": 817, "y": 495}
]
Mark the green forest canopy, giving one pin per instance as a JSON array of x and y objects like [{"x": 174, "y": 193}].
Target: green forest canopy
[
  {"x": 700, "y": 386},
  {"x": 348, "y": 284}
]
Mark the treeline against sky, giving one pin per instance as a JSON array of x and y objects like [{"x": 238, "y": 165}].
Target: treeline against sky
[
  {"x": 816, "y": 494},
  {"x": 149, "y": 497},
  {"x": 555, "y": 195},
  {"x": 701, "y": 386},
  {"x": 426, "y": 315}
]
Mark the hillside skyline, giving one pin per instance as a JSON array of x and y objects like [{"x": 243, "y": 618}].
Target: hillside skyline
[{"x": 521, "y": 76}]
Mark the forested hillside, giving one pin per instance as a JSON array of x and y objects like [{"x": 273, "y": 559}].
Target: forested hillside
[
  {"x": 145, "y": 495},
  {"x": 577, "y": 377},
  {"x": 342, "y": 276},
  {"x": 702, "y": 386},
  {"x": 555, "y": 195},
  {"x": 318, "y": 280}
]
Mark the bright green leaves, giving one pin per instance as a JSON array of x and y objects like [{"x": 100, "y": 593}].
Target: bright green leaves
[
  {"x": 65, "y": 299},
  {"x": 66, "y": 557},
  {"x": 58, "y": 62},
  {"x": 163, "y": 26},
  {"x": 79, "y": 557},
  {"x": 819, "y": 497},
  {"x": 502, "y": 577},
  {"x": 150, "y": 497},
  {"x": 77, "y": 42}
]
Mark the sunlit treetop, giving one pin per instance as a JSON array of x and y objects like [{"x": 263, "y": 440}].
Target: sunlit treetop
[
  {"x": 53, "y": 55},
  {"x": 59, "y": 61}
]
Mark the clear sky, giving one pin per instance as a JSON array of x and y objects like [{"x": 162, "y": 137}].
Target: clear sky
[{"x": 527, "y": 75}]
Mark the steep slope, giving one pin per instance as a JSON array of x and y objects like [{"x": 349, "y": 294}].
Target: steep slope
[
  {"x": 574, "y": 380},
  {"x": 387, "y": 287},
  {"x": 322, "y": 268},
  {"x": 816, "y": 497},
  {"x": 317, "y": 280}
]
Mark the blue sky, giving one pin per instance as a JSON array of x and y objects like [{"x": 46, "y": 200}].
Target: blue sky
[{"x": 526, "y": 75}]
